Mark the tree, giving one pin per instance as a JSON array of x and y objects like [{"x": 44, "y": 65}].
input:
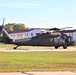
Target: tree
[{"x": 11, "y": 27}]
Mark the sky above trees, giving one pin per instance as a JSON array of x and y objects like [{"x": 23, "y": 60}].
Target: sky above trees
[{"x": 39, "y": 13}]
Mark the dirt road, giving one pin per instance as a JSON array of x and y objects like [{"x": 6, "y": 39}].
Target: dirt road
[
  {"x": 39, "y": 73},
  {"x": 36, "y": 49}
]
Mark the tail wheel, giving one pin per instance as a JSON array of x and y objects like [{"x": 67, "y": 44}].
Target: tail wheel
[{"x": 65, "y": 46}]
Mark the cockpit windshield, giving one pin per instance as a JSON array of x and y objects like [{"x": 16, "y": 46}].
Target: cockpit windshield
[{"x": 70, "y": 38}]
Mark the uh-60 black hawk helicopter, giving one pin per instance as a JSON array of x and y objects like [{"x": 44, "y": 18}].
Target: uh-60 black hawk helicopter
[{"x": 48, "y": 38}]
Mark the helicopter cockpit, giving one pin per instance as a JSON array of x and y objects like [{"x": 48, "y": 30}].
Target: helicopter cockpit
[{"x": 70, "y": 40}]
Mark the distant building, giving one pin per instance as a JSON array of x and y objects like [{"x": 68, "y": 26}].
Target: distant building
[
  {"x": 26, "y": 33},
  {"x": 36, "y": 31}
]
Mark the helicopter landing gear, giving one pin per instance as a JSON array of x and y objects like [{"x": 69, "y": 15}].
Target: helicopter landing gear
[
  {"x": 56, "y": 47},
  {"x": 16, "y": 47},
  {"x": 65, "y": 46}
]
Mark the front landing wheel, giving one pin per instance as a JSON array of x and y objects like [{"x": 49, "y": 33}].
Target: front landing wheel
[
  {"x": 56, "y": 47},
  {"x": 65, "y": 46}
]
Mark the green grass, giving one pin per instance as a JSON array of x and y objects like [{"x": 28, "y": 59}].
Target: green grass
[
  {"x": 37, "y": 61},
  {"x": 6, "y": 45},
  {"x": 12, "y": 46}
]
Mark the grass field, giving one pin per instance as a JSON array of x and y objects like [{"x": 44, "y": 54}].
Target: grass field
[
  {"x": 37, "y": 61},
  {"x": 12, "y": 46}
]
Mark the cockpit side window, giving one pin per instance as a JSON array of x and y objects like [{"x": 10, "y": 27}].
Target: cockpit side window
[
  {"x": 56, "y": 39},
  {"x": 69, "y": 38}
]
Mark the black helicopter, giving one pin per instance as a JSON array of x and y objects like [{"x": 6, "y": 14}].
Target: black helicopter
[{"x": 55, "y": 38}]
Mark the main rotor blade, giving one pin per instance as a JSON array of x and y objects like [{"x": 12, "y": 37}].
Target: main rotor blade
[
  {"x": 3, "y": 22},
  {"x": 1, "y": 28},
  {"x": 65, "y": 28}
]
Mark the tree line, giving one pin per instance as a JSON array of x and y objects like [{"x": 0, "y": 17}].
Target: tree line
[{"x": 13, "y": 27}]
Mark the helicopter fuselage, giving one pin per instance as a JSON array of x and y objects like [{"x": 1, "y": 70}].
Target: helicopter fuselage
[{"x": 45, "y": 39}]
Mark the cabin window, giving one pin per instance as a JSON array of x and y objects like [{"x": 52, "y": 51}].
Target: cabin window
[
  {"x": 61, "y": 40},
  {"x": 70, "y": 38},
  {"x": 13, "y": 36},
  {"x": 51, "y": 39},
  {"x": 37, "y": 34},
  {"x": 19, "y": 35},
  {"x": 56, "y": 39},
  {"x": 25, "y": 34},
  {"x": 31, "y": 34}
]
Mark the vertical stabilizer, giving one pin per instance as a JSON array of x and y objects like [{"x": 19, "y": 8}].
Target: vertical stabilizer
[{"x": 4, "y": 34}]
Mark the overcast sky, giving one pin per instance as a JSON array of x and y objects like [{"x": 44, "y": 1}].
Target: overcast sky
[{"x": 39, "y": 13}]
